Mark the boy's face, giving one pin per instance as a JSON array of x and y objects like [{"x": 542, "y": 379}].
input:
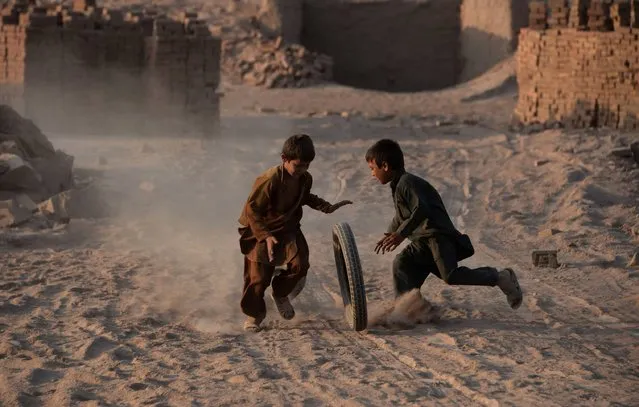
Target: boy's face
[
  {"x": 295, "y": 168},
  {"x": 382, "y": 174}
]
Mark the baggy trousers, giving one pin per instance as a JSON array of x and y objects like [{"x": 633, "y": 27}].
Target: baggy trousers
[
  {"x": 258, "y": 277},
  {"x": 436, "y": 255}
]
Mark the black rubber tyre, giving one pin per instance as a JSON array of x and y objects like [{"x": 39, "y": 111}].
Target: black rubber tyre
[{"x": 349, "y": 274}]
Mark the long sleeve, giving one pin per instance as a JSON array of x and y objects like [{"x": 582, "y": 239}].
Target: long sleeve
[
  {"x": 313, "y": 201},
  {"x": 257, "y": 207},
  {"x": 418, "y": 207},
  {"x": 394, "y": 224}
]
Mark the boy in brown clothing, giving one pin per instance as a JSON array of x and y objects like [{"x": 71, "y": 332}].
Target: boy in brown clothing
[{"x": 270, "y": 234}]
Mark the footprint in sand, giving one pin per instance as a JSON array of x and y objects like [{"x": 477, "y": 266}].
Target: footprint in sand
[
  {"x": 97, "y": 347},
  {"x": 40, "y": 376}
]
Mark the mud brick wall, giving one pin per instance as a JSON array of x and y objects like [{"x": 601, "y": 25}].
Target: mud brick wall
[
  {"x": 92, "y": 70},
  {"x": 489, "y": 33},
  {"x": 581, "y": 70},
  {"x": 387, "y": 45}
]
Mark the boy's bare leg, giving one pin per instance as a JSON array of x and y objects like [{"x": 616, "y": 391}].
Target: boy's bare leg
[{"x": 257, "y": 278}]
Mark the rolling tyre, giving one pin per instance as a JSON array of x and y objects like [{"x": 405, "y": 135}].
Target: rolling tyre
[{"x": 349, "y": 275}]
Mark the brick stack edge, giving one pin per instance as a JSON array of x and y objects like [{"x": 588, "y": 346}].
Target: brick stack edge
[
  {"x": 578, "y": 64},
  {"x": 132, "y": 67}
]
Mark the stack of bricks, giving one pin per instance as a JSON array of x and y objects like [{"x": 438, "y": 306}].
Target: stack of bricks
[
  {"x": 12, "y": 59},
  {"x": 580, "y": 76},
  {"x": 599, "y": 16},
  {"x": 538, "y": 17},
  {"x": 103, "y": 70},
  {"x": 559, "y": 12},
  {"x": 578, "y": 14}
]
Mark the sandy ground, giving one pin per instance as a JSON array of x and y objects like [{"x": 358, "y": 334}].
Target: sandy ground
[{"x": 141, "y": 308}]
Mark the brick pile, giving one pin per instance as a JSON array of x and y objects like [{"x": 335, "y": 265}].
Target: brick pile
[
  {"x": 276, "y": 65},
  {"x": 105, "y": 69},
  {"x": 581, "y": 77}
]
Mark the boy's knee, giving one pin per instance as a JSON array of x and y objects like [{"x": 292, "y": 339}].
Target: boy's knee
[
  {"x": 300, "y": 265},
  {"x": 401, "y": 263}
]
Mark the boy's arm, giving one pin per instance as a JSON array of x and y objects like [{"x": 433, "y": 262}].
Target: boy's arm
[
  {"x": 313, "y": 201},
  {"x": 394, "y": 224},
  {"x": 418, "y": 207},
  {"x": 257, "y": 207}
]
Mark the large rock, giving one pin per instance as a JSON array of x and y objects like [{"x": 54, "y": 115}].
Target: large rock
[
  {"x": 18, "y": 175},
  {"x": 24, "y": 133},
  {"x": 30, "y": 168},
  {"x": 56, "y": 172}
]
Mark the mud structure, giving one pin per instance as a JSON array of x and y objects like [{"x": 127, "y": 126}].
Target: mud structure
[
  {"x": 412, "y": 45},
  {"x": 91, "y": 70},
  {"x": 578, "y": 65}
]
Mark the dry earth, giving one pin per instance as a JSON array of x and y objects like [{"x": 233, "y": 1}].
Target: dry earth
[{"x": 141, "y": 307}]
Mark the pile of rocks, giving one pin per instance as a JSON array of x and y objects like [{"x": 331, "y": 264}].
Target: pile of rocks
[
  {"x": 273, "y": 64},
  {"x": 33, "y": 175}
]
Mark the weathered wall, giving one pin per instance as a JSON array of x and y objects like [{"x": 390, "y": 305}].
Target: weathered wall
[
  {"x": 489, "y": 32},
  {"x": 103, "y": 71},
  {"x": 580, "y": 78},
  {"x": 387, "y": 45}
]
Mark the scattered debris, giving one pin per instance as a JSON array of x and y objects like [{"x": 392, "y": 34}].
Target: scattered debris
[
  {"x": 13, "y": 214},
  {"x": 56, "y": 207},
  {"x": 539, "y": 163},
  {"x": 545, "y": 258},
  {"x": 634, "y": 261},
  {"x": 548, "y": 232},
  {"x": 623, "y": 152},
  {"x": 272, "y": 64}
]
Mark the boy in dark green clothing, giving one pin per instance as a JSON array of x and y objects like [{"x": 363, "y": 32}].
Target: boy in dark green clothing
[{"x": 436, "y": 246}]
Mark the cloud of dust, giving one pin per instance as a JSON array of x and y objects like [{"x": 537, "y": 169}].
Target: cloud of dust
[
  {"x": 407, "y": 311},
  {"x": 176, "y": 204}
]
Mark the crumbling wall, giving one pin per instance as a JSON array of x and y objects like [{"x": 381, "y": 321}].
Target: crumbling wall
[
  {"x": 489, "y": 32},
  {"x": 404, "y": 45},
  {"x": 94, "y": 70},
  {"x": 579, "y": 65}
]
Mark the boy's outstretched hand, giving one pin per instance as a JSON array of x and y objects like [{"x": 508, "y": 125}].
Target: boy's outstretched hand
[
  {"x": 334, "y": 207},
  {"x": 388, "y": 243}
]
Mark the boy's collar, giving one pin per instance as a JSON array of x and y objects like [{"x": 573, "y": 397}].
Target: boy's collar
[{"x": 396, "y": 176}]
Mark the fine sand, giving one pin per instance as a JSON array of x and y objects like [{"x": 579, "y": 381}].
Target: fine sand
[{"x": 141, "y": 307}]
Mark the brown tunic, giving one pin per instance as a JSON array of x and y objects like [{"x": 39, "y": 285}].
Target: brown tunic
[{"x": 274, "y": 207}]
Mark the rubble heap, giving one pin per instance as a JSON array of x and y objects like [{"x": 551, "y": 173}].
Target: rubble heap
[
  {"x": 276, "y": 65},
  {"x": 579, "y": 68},
  {"x": 32, "y": 172},
  {"x": 143, "y": 67}
]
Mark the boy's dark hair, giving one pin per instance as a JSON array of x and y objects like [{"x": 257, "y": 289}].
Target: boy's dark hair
[
  {"x": 386, "y": 151},
  {"x": 299, "y": 147}
]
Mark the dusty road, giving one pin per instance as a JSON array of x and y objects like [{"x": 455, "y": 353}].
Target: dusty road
[{"x": 141, "y": 308}]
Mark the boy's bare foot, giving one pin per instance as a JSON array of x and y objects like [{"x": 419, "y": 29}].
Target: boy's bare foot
[
  {"x": 510, "y": 286},
  {"x": 252, "y": 324},
  {"x": 284, "y": 307}
]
